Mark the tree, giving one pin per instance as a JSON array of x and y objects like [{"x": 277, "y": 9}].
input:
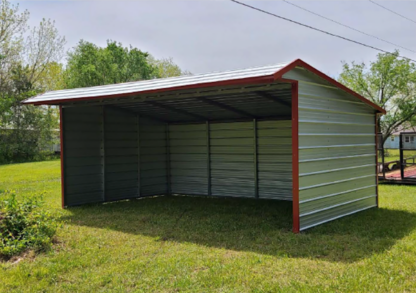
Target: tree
[
  {"x": 90, "y": 65},
  {"x": 389, "y": 82},
  {"x": 165, "y": 67},
  {"x": 27, "y": 58}
]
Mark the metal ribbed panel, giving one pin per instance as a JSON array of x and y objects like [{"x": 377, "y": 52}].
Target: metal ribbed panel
[
  {"x": 121, "y": 157},
  {"x": 162, "y": 83},
  {"x": 336, "y": 152},
  {"x": 188, "y": 169},
  {"x": 83, "y": 155},
  {"x": 232, "y": 169},
  {"x": 153, "y": 158},
  {"x": 275, "y": 177}
]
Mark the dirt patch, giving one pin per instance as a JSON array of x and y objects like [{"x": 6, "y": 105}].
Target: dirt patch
[{"x": 409, "y": 172}]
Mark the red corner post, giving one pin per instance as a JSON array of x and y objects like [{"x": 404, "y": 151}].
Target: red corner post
[
  {"x": 61, "y": 137},
  {"x": 376, "y": 130},
  {"x": 295, "y": 152},
  {"x": 295, "y": 157}
]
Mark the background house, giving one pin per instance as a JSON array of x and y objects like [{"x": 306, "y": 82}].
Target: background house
[{"x": 409, "y": 138}]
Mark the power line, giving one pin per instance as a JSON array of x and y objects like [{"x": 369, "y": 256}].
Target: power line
[
  {"x": 344, "y": 25},
  {"x": 317, "y": 29},
  {"x": 392, "y": 11}
]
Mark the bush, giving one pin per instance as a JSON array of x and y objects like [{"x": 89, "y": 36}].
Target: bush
[{"x": 24, "y": 224}]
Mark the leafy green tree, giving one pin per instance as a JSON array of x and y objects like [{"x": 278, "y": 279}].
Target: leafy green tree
[
  {"x": 389, "y": 82},
  {"x": 26, "y": 57},
  {"x": 165, "y": 67},
  {"x": 90, "y": 65}
]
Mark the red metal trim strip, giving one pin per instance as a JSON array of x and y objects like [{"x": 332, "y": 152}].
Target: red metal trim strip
[
  {"x": 295, "y": 157},
  {"x": 376, "y": 130},
  {"x": 61, "y": 138},
  {"x": 295, "y": 154},
  {"x": 300, "y": 63}
]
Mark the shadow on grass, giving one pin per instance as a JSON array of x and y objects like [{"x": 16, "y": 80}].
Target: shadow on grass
[{"x": 260, "y": 226}]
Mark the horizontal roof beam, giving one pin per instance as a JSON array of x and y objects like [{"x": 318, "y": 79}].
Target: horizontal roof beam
[
  {"x": 225, "y": 107},
  {"x": 272, "y": 98},
  {"x": 173, "y": 109},
  {"x": 127, "y": 111}
]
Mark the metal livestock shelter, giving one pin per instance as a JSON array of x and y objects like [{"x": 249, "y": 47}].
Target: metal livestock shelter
[{"x": 284, "y": 132}]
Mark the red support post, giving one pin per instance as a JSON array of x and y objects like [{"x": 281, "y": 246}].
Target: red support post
[
  {"x": 61, "y": 137},
  {"x": 295, "y": 157},
  {"x": 376, "y": 130}
]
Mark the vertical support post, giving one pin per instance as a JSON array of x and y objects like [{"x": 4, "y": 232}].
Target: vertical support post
[
  {"x": 382, "y": 156},
  {"x": 256, "y": 165},
  {"x": 168, "y": 186},
  {"x": 401, "y": 157},
  {"x": 103, "y": 150},
  {"x": 376, "y": 131},
  {"x": 295, "y": 157},
  {"x": 139, "y": 179},
  {"x": 61, "y": 139},
  {"x": 208, "y": 129}
]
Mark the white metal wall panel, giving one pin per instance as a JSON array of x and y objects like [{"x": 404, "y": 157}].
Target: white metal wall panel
[
  {"x": 153, "y": 158},
  {"x": 232, "y": 159},
  {"x": 274, "y": 140},
  {"x": 188, "y": 146},
  {"x": 121, "y": 154},
  {"x": 83, "y": 155},
  {"x": 337, "y": 174}
]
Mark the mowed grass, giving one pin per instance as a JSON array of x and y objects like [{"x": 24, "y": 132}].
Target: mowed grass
[
  {"x": 189, "y": 244},
  {"x": 394, "y": 155}
]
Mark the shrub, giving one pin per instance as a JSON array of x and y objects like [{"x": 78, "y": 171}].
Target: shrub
[{"x": 24, "y": 224}]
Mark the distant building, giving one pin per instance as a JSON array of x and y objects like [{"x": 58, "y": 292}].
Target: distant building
[{"x": 409, "y": 138}]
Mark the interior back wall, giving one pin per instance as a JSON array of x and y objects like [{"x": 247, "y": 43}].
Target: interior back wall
[{"x": 109, "y": 154}]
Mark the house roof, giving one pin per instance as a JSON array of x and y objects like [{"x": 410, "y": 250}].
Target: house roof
[
  {"x": 265, "y": 74},
  {"x": 404, "y": 128}
]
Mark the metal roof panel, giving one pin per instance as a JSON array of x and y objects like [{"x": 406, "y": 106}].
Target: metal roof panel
[{"x": 154, "y": 84}]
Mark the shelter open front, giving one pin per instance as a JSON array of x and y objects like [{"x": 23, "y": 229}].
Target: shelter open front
[
  {"x": 284, "y": 132},
  {"x": 111, "y": 152}
]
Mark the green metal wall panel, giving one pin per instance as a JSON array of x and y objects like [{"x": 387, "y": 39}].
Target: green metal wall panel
[
  {"x": 233, "y": 174},
  {"x": 275, "y": 159},
  {"x": 232, "y": 169},
  {"x": 153, "y": 158},
  {"x": 188, "y": 170},
  {"x": 121, "y": 155},
  {"x": 337, "y": 174},
  {"x": 83, "y": 155}
]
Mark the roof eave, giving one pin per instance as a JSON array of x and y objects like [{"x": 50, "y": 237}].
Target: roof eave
[{"x": 241, "y": 81}]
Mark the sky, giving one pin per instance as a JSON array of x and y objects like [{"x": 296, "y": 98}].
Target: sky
[{"x": 205, "y": 36}]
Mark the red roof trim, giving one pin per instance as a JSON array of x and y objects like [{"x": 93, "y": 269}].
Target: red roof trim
[{"x": 305, "y": 65}]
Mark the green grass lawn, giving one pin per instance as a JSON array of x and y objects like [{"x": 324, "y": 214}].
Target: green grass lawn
[
  {"x": 394, "y": 155},
  {"x": 189, "y": 244}
]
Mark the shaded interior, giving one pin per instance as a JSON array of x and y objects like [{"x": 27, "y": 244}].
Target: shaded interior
[{"x": 229, "y": 141}]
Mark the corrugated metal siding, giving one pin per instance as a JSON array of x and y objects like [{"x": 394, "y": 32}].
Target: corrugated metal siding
[
  {"x": 83, "y": 155},
  {"x": 153, "y": 158},
  {"x": 336, "y": 152},
  {"x": 121, "y": 155},
  {"x": 232, "y": 159},
  {"x": 110, "y": 150},
  {"x": 188, "y": 159},
  {"x": 232, "y": 167},
  {"x": 275, "y": 159}
]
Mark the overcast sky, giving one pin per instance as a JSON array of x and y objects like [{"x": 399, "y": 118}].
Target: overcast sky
[{"x": 204, "y": 36}]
